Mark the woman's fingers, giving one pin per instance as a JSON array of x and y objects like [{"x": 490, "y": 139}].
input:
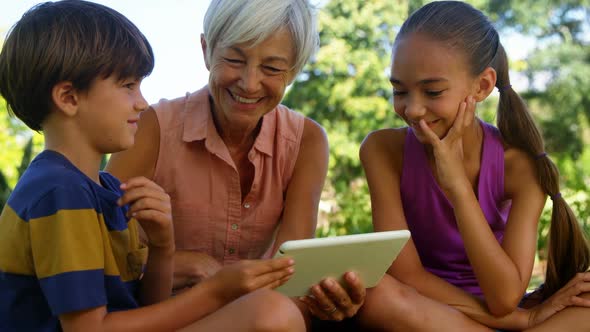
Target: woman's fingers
[
  {"x": 356, "y": 289},
  {"x": 314, "y": 308},
  {"x": 322, "y": 299},
  {"x": 341, "y": 298},
  {"x": 329, "y": 300}
]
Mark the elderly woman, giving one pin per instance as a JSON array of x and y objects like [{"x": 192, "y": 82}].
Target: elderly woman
[{"x": 244, "y": 173}]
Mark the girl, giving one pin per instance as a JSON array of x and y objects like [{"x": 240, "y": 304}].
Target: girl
[{"x": 471, "y": 194}]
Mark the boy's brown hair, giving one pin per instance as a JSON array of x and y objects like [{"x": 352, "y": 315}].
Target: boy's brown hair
[{"x": 70, "y": 40}]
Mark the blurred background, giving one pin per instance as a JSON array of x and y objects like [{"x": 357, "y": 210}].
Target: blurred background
[{"x": 346, "y": 89}]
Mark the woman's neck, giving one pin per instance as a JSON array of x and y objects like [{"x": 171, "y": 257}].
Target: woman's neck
[{"x": 237, "y": 138}]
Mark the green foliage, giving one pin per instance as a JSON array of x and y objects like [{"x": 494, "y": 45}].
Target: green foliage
[
  {"x": 19, "y": 145},
  {"x": 5, "y": 187},
  {"x": 563, "y": 103},
  {"x": 565, "y": 19},
  {"x": 346, "y": 89},
  {"x": 350, "y": 217}
]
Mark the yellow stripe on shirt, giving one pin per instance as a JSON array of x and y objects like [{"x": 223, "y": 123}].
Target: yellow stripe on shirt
[
  {"x": 15, "y": 247},
  {"x": 70, "y": 240}
]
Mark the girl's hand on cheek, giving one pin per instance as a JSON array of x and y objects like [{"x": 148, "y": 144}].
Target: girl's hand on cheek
[{"x": 448, "y": 152}]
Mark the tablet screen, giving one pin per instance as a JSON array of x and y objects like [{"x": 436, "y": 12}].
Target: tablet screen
[{"x": 369, "y": 255}]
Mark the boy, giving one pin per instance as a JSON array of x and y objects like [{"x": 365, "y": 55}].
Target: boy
[{"x": 70, "y": 256}]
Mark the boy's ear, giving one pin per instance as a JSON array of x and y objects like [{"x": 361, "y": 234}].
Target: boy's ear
[
  {"x": 484, "y": 84},
  {"x": 204, "y": 47},
  {"x": 65, "y": 98}
]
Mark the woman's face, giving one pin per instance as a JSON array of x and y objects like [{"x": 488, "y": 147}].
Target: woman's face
[
  {"x": 247, "y": 82},
  {"x": 429, "y": 80}
]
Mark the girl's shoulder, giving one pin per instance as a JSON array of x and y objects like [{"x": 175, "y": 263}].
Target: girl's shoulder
[
  {"x": 519, "y": 170},
  {"x": 385, "y": 146},
  {"x": 385, "y": 139},
  {"x": 515, "y": 159}
]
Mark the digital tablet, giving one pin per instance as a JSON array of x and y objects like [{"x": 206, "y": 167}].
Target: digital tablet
[{"x": 369, "y": 255}]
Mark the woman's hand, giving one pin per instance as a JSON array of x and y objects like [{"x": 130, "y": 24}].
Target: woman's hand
[
  {"x": 568, "y": 295},
  {"x": 330, "y": 301},
  {"x": 150, "y": 205},
  {"x": 448, "y": 151}
]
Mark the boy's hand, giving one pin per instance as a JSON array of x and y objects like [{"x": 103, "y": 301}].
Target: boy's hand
[
  {"x": 150, "y": 205},
  {"x": 246, "y": 276}
]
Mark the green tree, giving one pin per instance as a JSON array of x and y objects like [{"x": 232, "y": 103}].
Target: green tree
[
  {"x": 557, "y": 68},
  {"x": 19, "y": 144},
  {"x": 346, "y": 89}
]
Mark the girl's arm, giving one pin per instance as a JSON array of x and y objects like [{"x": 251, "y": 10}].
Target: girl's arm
[
  {"x": 381, "y": 156},
  {"x": 508, "y": 264}
]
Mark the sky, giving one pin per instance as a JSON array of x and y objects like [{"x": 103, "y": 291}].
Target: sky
[{"x": 173, "y": 28}]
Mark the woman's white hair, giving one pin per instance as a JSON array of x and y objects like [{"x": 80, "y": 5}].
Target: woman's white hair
[{"x": 230, "y": 22}]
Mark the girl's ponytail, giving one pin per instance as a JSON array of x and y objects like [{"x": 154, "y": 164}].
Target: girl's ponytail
[{"x": 568, "y": 249}]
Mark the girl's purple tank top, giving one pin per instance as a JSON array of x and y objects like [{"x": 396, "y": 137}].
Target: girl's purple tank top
[{"x": 430, "y": 215}]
